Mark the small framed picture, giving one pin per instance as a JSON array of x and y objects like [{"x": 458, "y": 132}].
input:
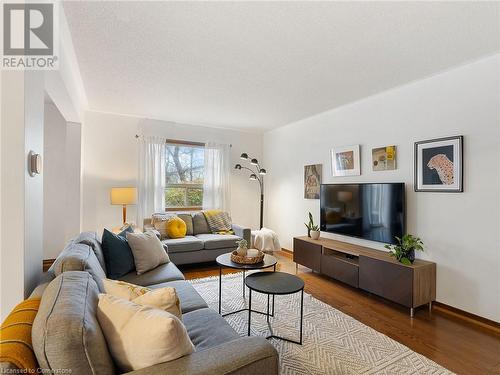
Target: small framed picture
[
  {"x": 345, "y": 161},
  {"x": 312, "y": 181},
  {"x": 439, "y": 165},
  {"x": 384, "y": 158}
]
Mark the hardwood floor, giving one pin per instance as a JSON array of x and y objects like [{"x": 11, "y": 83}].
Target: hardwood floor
[{"x": 460, "y": 346}]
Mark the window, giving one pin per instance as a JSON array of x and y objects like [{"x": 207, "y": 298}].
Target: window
[{"x": 184, "y": 174}]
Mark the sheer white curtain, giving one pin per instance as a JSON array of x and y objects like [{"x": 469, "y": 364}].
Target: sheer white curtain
[
  {"x": 151, "y": 179},
  {"x": 216, "y": 179}
]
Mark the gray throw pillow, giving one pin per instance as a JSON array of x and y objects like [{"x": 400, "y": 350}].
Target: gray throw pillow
[{"x": 148, "y": 251}]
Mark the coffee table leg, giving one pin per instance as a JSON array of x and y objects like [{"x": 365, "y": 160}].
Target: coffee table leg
[
  {"x": 267, "y": 315},
  {"x": 301, "y": 313},
  {"x": 220, "y": 289},
  {"x": 243, "y": 284},
  {"x": 249, "y": 309}
]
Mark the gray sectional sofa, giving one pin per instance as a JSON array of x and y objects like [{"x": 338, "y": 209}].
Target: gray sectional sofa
[
  {"x": 66, "y": 333},
  {"x": 199, "y": 245}
]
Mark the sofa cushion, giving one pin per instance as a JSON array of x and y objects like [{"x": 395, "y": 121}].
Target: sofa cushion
[
  {"x": 148, "y": 251},
  {"x": 189, "y": 297},
  {"x": 200, "y": 224},
  {"x": 66, "y": 333},
  {"x": 93, "y": 240},
  {"x": 161, "y": 274},
  {"x": 188, "y": 219},
  {"x": 188, "y": 243},
  {"x": 219, "y": 241},
  {"x": 117, "y": 253},
  {"x": 79, "y": 257},
  {"x": 207, "y": 329},
  {"x": 140, "y": 336}
]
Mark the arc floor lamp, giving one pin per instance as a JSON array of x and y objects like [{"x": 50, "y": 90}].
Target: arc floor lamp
[{"x": 256, "y": 174}]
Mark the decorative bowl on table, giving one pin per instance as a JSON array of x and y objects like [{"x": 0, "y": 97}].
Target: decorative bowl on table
[{"x": 247, "y": 259}]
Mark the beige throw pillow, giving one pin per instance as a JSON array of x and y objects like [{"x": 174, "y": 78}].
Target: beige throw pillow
[
  {"x": 124, "y": 290},
  {"x": 161, "y": 298},
  {"x": 148, "y": 251},
  {"x": 141, "y": 336}
]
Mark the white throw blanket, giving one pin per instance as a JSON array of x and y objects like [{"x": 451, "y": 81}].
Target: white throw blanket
[{"x": 265, "y": 240}]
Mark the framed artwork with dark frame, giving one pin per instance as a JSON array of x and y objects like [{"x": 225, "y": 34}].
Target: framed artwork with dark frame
[{"x": 439, "y": 165}]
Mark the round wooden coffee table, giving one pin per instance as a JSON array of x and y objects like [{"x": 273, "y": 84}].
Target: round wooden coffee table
[
  {"x": 224, "y": 261},
  {"x": 275, "y": 283}
]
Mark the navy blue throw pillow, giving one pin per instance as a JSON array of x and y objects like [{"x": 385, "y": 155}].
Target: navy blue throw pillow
[{"x": 117, "y": 253}]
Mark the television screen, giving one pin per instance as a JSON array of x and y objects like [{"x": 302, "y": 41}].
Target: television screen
[{"x": 373, "y": 212}]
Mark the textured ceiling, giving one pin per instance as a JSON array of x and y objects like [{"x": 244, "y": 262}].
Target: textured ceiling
[{"x": 259, "y": 65}]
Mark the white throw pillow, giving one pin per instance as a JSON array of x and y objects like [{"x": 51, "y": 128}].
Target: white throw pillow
[
  {"x": 148, "y": 251},
  {"x": 141, "y": 336},
  {"x": 161, "y": 298}
]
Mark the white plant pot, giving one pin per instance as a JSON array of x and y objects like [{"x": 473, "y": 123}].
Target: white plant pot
[
  {"x": 315, "y": 234},
  {"x": 241, "y": 251}
]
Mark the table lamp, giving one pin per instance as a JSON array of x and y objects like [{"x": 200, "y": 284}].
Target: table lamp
[{"x": 124, "y": 196}]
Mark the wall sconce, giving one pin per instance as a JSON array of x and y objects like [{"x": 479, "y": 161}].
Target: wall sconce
[{"x": 34, "y": 163}]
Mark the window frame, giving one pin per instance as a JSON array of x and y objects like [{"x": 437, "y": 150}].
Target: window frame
[{"x": 175, "y": 142}]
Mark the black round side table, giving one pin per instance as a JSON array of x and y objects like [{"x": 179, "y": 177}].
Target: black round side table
[
  {"x": 275, "y": 283},
  {"x": 224, "y": 260}
]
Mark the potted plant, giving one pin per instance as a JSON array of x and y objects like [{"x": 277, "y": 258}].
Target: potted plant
[
  {"x": 242, "y": 247},
  {"x": 312, "y": 229},
  {"x": 404, "y": 250}
]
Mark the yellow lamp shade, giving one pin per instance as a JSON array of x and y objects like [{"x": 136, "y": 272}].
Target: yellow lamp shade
[{"x": 123, "y": 195}]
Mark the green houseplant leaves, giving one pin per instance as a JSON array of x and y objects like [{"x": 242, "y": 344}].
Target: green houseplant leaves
[{"x": 406, "y": 246}]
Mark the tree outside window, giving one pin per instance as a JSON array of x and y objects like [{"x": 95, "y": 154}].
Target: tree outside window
[{"x": 184, "y": 176}]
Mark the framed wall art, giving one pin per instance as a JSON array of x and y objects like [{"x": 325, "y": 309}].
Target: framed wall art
[
  {"x": 345, "y": 161},
  {"x": 312, "y": 181},
  {"x": 439, "y": 165},
  {"x": 384, "y": 158}
]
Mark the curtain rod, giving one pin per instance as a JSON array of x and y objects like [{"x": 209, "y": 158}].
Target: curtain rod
[{"x": 181, "y": 142}]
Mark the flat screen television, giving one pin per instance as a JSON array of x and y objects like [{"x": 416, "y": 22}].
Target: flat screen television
[{"x": 373, "y": 212}]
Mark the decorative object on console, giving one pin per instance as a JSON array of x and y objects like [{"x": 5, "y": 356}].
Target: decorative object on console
[
  {"x": 439, "y": 165},
  {"x": 384, "y": 158},
  {"x": 404, "y": 250},
  {"x": 312, "y": 181},
  {"x": 312, "y": 229},
  {"x": 123, "y": 196},
  {"x": 242, "y": 247},
  {"x": 346, "y": 161},
  {"x": 255, "y": 175}
]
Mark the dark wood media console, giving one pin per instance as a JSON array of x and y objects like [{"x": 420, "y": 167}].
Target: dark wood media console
[{"x": 369, "y": 269}]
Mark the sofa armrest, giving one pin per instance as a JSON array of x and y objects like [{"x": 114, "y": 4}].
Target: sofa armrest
[
  {"x": 243, "y": 356},
  {"x": 245, "y": 233}
]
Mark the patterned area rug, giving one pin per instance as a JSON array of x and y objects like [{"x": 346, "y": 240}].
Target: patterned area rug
[{"x": 334, "y": 343}]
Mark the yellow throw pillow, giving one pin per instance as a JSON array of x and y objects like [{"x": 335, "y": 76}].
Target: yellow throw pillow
[
  {"x": 161, "y": 298},
  {"x": 15, "y": 336},
  {"x": 176, "y": 228},
  {"x": 141, "y": 336}
]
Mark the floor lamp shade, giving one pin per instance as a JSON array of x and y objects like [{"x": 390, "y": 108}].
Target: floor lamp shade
[{"x": 123, "y": 196}]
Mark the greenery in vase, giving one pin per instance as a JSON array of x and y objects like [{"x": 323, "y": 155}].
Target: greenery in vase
[
  {"x": 402, "y": 250},
  {"x": 242, "y": 244},
  {"x": 311, "y": 226}
]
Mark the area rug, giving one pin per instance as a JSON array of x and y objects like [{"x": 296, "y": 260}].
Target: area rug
[{"x": 333, "y": 343}]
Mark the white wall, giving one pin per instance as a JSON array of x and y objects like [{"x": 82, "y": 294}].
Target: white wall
[
  {"x": 22, "y": 195},
  {"x": 109, "y": 158},
  {"x": 461, "y": 231},
  {"x": 61, "y": 186}
]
